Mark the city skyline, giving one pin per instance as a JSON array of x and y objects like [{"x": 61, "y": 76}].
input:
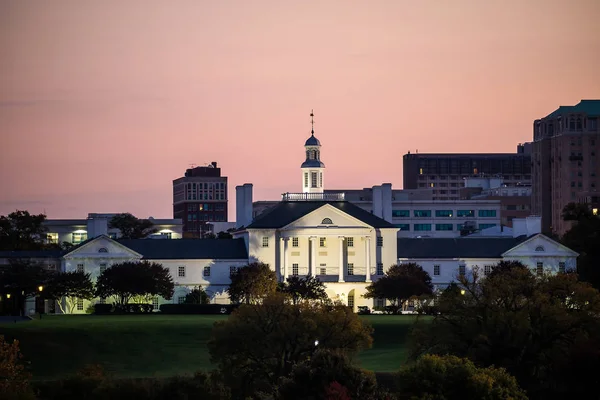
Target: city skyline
[{"x": 102, "y": 105}]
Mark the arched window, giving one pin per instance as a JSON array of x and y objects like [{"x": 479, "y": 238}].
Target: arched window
[
  {"x": 539, "y": 248},
  {"x": 326, "y": 221},
  {"x": 578, "y": 124},
  {"x": 103, "y": 250},
  {"x": 571, "y": 124}
]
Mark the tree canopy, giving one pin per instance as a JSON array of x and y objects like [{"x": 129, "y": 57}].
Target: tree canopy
[
  {"x": 304, "y": 288},
  {"x": 252, "y": 283},
  {"x": 21, "y": 278},
  {"x": 21, "y": 230},
  {"x": 197, "y": 296},
  {"x": 535, "y": 327},
  {"x": 131, "y": 279},
  {"x": 400, "y": 283},
  {"x": 71, "y": 286},
  {"x": 132, "y": 227}
]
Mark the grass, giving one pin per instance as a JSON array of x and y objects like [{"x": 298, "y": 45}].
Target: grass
[{"x": 159, "y": 345}]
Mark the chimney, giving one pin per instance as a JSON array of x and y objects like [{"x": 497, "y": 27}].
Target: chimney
[
  {"x": 214, "y": 164},
  {"x": 243, "y": 202}
]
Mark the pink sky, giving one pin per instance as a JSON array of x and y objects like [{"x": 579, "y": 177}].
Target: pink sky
[{"x": 103, "y": 104}]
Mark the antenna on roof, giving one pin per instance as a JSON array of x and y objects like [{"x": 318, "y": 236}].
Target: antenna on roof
[{"x": 312, "y": 123}]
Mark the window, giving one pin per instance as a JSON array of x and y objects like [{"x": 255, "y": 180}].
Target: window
[
  {"x": 102, "y": 267},
  {"x": 232, "y": 271},
  {"x": 181, "y": 271},
  {"x": 422, "y": 213},
  {"x": 351, "y": 300},
  {"x": 421, "y": 227},
  {"x": 102, "y": 250},
  {"x": 462, "y": 270},
  {"x": 379, "y": 303},
  {"x": 487, "y": 213},
  {"x": 322, "y": 242},
  {"x": 350, "y": 268},
  {"x": 102, "y": 300},
  {"x": 306, "y": 179},
  {"x": 465, "y": 213},
  {"x": 380, "y": 241},
  {"x": 181, "y": 299},
  {"x": 350, "y": 241},
  {"x": 443, "y": 227},
  {"x": 540, "y": 268},
  {"x": 379, "y": 270},
  {"x": 539, "y": 248},
  {"x": 403, "y": 227},
  {"x": 265, "y": 241},
  {"x": 295, "y": 242},
  {"x": 155, "y": 306},
  {"x": 52, "y": 238},
  {"x": 80, "y": 268},
  {"x": 295, "y": 269},
  {"x": 326, "y": 221},
  {"x": 562, "y": 267},
  {"x": 401, "y": 213},
  {"x": 443, "y": 213},
  {"x": 313, "y": 179},
  {"x": 206, "y": 271},
  {"x": 436, "y": 270},
  {"x": 487, "y": 269},
  {"x": 322, "y": 269},
  {"x": 77, "y": 237},
  {"x": 79, "y": 304},
  {"x": 485, "y": 226}
]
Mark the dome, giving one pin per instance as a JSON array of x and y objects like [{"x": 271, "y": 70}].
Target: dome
[
  {"x": 312, "y": 141},
  {"x": 312, "y": 164}
]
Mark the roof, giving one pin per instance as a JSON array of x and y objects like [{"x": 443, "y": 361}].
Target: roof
[
  {"x": 312, "y": 141},
  {"x": 312, "y": 164},
  {"x": 462, "y": 247},
  {"x": 287, "y": 212},
  {"x": 32, "y": 254},
  {"x": 589, "y": 107},
  {"x": 176, "y": 249}
]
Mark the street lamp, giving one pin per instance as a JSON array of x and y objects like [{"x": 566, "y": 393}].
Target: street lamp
[
  {"x": 316, "y": 343},
  {"x": 40, "y": 288},
  {"x": 462, "y": 291},
  {"x": 8, "y": 295}
]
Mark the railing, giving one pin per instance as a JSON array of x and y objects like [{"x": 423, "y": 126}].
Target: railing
[{"x": 313, "y": 197}]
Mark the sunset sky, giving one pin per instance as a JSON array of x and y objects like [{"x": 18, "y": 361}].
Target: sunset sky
[{"x": 104, "y": 103}]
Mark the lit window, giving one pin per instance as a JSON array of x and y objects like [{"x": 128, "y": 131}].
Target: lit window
[
  {"x": 540, "y": 268},
  {"x": 562, "y": 267},
  {"x": 350, "y": 268},
  {"x": 379, "y": 270},
  {"x": 77, "y": 237},
  {"x": 436, "y": 270},
  {"x": 206, "y": 271},
  {"x": 595, "y": 211},
  {"x": 295, "y": 242},
  {"x": 295, "y": 269},
  {"x": 322, "y": 242},
  {"x": 420, "y": 171},
  {"x": 181, "y": 271},
  {"x": 52, "y": 238},
  {"x": 265, "y": 241},
  {"x": 350, "y": 241}
]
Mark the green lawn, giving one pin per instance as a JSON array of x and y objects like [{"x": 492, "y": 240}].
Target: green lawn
[{"x": 159, "y": 345}]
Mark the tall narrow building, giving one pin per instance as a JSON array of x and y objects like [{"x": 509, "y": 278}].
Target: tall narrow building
[
  {"x": 312, "y": 167},
  {"x": 565, "y": 169}
]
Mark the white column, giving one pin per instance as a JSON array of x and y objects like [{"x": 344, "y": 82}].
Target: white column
[
  {"x": 368, "y": 258},
  {"x": 341, "y": 268},
  {"x": 312, "y": 269},
  {"x": 284, "y": 265}
]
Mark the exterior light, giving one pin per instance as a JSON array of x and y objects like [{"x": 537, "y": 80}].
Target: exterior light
[
  {"x": 316, "y": 342},
  {"x": 595, "y": 211},
  {"x": 8, "y": 295},
  {"x": 462, "y": 291},
  {"x": 40, "y": 288}
]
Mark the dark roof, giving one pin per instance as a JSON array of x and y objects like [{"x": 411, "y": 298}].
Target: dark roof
[
  {"x": 312, "y": 164},
  {"x": 480, "y": 247},
  {"x": 312, "y": 141},
  {"x": 287, "y": 212},
  {"x": 588, "y": 107},
  {"x": 164, "y": 249},
  {"x": 32, "y": 254}
]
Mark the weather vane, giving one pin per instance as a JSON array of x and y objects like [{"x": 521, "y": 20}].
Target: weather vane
[{"x": 312, "y": 122}]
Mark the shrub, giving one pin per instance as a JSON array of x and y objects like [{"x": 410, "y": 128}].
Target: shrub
[
  {"x": 197, "y": 308},
  {"x": 14, "y": 383},
  {"x": 133, "y": 308},
  {"x": 102, "y": 309}
]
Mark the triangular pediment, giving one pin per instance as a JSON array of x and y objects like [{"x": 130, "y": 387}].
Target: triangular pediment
[
  {"x": 325, "y": 217},
  {"x": 102, "y": 246},
  {"x": 540, "y": 245}
]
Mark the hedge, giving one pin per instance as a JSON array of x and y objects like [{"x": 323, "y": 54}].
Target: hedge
[
  {"x": 102, "y": 309},
  {"x": 197, "y": 308}
]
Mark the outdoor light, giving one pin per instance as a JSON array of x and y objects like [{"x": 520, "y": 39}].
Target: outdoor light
[
  {"x": 462, "y": 291},
  {"x": 40, "y": 288},
  {"x": 8, "y": 295},
  {"x": 316, "y": 342}
]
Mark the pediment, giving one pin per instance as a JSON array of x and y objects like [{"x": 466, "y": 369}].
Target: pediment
[
  {"x": 540, "y": 246},
  {"x": 102, "y": 246},
  {"x": 327, "y": 217}
]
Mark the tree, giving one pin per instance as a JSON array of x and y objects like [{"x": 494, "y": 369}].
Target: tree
[
  {"x": 132, "y": 227},
  {"x": 584, "y": 238},
  {"x": 259, "y": 344},
  {"x": 224, "y": 235},
  {"x": 252, "y": 283},
  {"x": 534, "y": 327},
  {"x": 503, "y": 267},
  {"x": 14, "y": 380},
  {"x": 131, "y": 279},
  {"x": 197, "y": 296},
  {"x": 21, "y": 230},
  {"x": 453, "y": 378},
  {"x": 307, "y": 288},
  {"x": 71, "y": 286},
  {"x": 400, "y": 283},
  {"x": 21, "y": 278}
]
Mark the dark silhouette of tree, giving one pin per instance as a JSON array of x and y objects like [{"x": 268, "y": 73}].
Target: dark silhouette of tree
[
  {"x": 252, "y": 283},
  {"x": 21, "y": 278},
  {"x": 197, "y": 296},
  {"x": 131, "y": 279},
  {"x": 71, "y": 286},
  {"x": 507, "y": 266},
  {"x": 21, "y": 230},
  {"x": 307, "y": 288},
  {"x": 400, "y": 283},
  {"x": 224, "y": 235},
  {"x": 132, "y": 227}
]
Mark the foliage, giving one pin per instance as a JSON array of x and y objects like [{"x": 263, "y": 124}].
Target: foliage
[
  {"x": 252, "y": 283},
  {"x": 129, "y": 279},
  {"x": 453, "y": 378},
  {"x": 307, "y": 288},
  {"x": 534, "y": 327},
  {"x": 21, "y": 279},
  {"x": 70, "y": 285},
  {"x": 259, "y": 344},
  {"x": 224, "y": 235},
  {"x": 21, "y": 230},
  {"x": 132, "y": 227},
  {"x": 102, "y": 309},
  {"x": 197, "y": 296},
  {"x": 503, "y": 267},
  {"x": 14, "y": 380},
  {"x": 197, "y": 308},
  {"x": 584, "y": 238},
  {"x": 327, "y": 374},
  {"x": 400, "y": 283}
]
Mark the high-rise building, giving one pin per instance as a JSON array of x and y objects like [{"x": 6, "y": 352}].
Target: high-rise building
[
  {"x": 445, "y": 173},
  {"x": 566, "y": 144},
  {"x": 199, "y": 199}
]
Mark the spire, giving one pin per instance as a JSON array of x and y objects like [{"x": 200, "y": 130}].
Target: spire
[{"x": 312, "y": 123}]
